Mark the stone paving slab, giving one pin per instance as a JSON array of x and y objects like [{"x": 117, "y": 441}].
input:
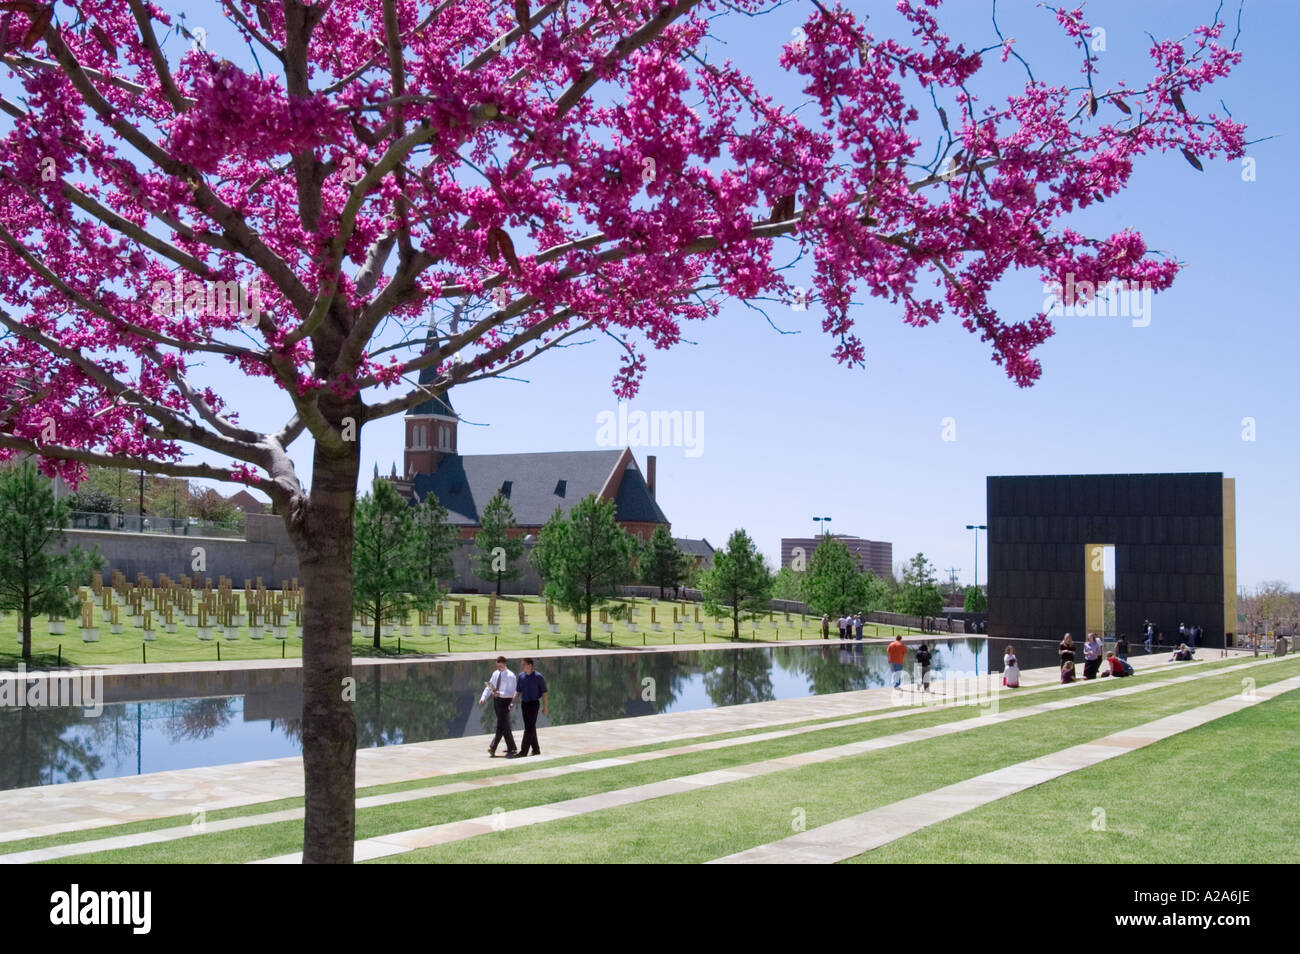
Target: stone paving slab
[
  {"x": 1016, "y": 777},
  {"x": 852, "y": 836},
  {"x": 183, "y": 784}
]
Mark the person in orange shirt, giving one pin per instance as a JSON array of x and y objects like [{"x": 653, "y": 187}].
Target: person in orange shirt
[{"x": 897, "y": 654}]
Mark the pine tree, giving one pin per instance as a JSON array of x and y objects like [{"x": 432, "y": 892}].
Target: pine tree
[
  {"x": 434, "y": 542},
  {"x": 34, "y": 579},
  {"x": 833, "y": 582},
  {"x": 663, "y": 564},
  {"x": 498, "y": 551},
  {"x": 739, "y": 581},
  {"x": 789, "y": 584},
  {"x": 583, "y": 557},
  {"x": 919, "y": 594},
  {"x": 384, "y": 561}
]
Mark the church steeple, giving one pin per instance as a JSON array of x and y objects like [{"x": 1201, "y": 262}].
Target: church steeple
[{"x": 430, "y": 425}]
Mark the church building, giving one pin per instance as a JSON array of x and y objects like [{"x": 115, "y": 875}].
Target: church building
[{"x": 534, "y": 484}]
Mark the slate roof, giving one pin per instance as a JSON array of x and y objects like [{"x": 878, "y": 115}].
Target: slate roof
[
  {"x": 696, "y": 548},
  {"x": 440, "y": 405},
  {"x": 539, "y": 483}
]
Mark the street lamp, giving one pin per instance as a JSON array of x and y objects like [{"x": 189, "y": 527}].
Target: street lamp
[
  {"x": 977, "y": 527},
  {"x": 820, "y": 530}
]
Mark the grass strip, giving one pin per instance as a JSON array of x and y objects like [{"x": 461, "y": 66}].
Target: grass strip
[{"x": 1221, "y": 793}]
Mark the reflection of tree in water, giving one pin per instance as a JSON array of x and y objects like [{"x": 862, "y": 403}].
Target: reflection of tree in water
[
  {"x": 595, "y": 687},
  {"x": 831, "y": 670},
  {"x": 414, "y": 709},
  {"x": 737, "y": 676},
  {"x": 198, "y": 718},
  {"x": 291, "y": 728},
  {"x": 38, "y": 746}
]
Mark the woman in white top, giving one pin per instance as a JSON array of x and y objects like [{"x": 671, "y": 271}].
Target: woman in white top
[{"x": 1010, "y": 669}]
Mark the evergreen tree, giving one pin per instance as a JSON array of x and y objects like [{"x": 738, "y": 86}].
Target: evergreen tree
[
  {"x": 833, "y": 582},
  {"x": 34, "y": 579},
  {"x": 739, "y": 581},
  {"x": 975, "y": 601},
  {"x": 384, "y": 562},
  {"x": 873, "y": 593},
  {"x": 498, "y": 551},
  {"x": 546, "y": 550},
  {"x": 433, "y": 543},
  {"x": 583, "y": 557},
  {"x": 790, "y": 584},
  {"x": 919, "y": 594},
  {"x": 662, "y": 563}
]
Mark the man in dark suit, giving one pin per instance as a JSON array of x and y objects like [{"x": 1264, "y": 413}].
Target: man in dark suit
[{"x": 532, "y": 694}]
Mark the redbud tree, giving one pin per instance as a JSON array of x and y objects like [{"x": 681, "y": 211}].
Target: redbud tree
[{"x": 380, "y": 191}]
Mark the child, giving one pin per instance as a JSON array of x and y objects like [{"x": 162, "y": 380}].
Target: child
[
  {"x": 1010, "y": 669},
  {"x": 1067, "y": 672},
  {"x": 923, "y": 660}
]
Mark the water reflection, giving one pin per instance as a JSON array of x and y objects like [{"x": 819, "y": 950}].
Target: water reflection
[{"x": 227, "y": 716}]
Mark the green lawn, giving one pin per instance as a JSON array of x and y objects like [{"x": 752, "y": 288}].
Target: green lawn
[
  {"x": 184, "y": 645},
  {"x": 1222, "y": 793},
  {"x": 699, "y": 826}
]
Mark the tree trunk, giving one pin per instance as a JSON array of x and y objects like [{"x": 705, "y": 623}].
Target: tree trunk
[
  {"x": 321, "y": 527},
  {"x": 735, "y": 622},
  {"x": 588, "y": 612},
  {"x": 27, "y": 629},
  {"x": 378, "y": 607}
]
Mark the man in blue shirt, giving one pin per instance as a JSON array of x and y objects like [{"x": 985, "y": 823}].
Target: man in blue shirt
[{"x": 532, "y": 691}]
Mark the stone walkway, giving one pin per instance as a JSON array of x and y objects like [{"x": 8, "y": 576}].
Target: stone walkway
[
  {"x": 500, "y": 820},
  {"x": 849, "y": 837}
]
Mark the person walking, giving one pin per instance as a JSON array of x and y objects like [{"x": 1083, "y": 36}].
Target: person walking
[
  {"x": 826, "y": 626},
  {"x": 1150, "y": 633},
  {"x": 502, "y": 688},
  {"x": 1010, "y": 669},
  {"x": 1121, "y": 648},
  {"x": 923, "y": 659},
  {"x": 897, "y": 653},
  {"x": 857, "y": 626},
  {"x": 1092, "y": 655},
  {"x": 843, "y": 623},
  {"x": 532, "y": 695}
]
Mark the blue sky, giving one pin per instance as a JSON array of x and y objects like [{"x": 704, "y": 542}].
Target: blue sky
[{"x": 788, "y": 434}]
